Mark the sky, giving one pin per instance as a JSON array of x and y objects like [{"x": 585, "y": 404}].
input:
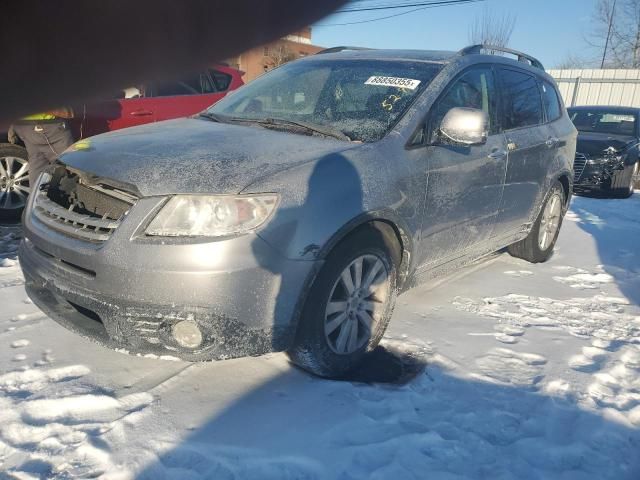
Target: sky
[{"x": 547, "y": 29}]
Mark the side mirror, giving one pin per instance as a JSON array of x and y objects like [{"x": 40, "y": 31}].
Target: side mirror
[{"x": 466, "y": 126}]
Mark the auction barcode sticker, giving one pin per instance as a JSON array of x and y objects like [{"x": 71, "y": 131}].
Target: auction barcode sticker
[{"x": 393, "y": 82}]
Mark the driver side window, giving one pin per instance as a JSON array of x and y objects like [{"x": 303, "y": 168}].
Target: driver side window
[{"x": 474, "y": 89}]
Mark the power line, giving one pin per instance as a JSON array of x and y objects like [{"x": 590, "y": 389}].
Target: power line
[
  {"x": 444, "y": 3},
  {"x": 391, "y": 6}
]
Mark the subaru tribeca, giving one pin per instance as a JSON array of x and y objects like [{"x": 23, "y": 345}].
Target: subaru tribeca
[{"x": 288, "y": 216}]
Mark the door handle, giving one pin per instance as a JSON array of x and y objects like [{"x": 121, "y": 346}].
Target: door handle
[
  {"x": 141, "y": 113},
  {"x": 512, "y": 146},
  {"x": 497, "y": 155},
  {"x": 552, "y": 142}
]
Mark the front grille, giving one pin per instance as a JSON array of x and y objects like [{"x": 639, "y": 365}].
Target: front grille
[
  {"x": 68, "y": 204},
  {"x": 578, "y": 166}
]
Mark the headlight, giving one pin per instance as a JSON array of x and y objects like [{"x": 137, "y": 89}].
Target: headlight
[
  {"x": 212, "y": 216},
  {"x": 605, "y": 160},
  {"x": 597, "y": 161}
]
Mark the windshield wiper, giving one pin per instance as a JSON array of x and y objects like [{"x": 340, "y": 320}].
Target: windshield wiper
[
  {"x": 214, "y": 117},
  {"x": 323, "y": 130},
  {"x": 326, "y": 131}
]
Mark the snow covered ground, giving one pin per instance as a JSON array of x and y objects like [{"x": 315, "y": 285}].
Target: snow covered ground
[{"x": 532, "y": 372}]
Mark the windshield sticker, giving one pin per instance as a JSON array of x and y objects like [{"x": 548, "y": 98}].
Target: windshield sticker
[
  {"x": 393, "y": 82},
  {"x": 389, "y": 102}
]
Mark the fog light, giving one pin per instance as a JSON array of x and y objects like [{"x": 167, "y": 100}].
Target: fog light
[{"x": 187, "y": 334}]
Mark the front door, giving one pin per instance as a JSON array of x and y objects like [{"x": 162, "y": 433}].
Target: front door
[{"x": 465, "y": 182}]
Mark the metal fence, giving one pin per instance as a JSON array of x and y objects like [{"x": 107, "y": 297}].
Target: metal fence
[{"x": 599, "y": 87}]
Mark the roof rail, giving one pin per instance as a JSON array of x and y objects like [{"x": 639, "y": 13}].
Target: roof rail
[
  {"x": 340, "y": 49},
  {"x": 490, "y": 49}
]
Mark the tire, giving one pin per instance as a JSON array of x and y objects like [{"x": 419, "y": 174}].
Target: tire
[
  {"x": 325, "y": 342},
  {"x": 13, "y": 191},
  {"x": 622, "y": 182},
  {"x": 532, "y": 248}
]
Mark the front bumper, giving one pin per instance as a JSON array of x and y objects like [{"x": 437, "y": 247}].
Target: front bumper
[
  {"x": 129, "y": 292},
  {"x": 597, "y": 175}
]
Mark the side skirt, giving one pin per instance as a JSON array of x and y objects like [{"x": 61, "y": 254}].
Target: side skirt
[{"x": 451, "y": 265}]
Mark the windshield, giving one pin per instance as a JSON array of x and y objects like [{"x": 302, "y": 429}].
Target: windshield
[
  {"x": 362, "y": 99},
  {"x": 601, "y": 121}
]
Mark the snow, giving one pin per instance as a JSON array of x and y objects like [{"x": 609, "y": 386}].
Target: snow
[{"x": 505, "y": 370}]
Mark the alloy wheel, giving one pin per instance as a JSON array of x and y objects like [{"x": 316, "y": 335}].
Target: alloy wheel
[
  {"x": 357, "y": 302},
  {"x": 550, "y": 221},
  {"x": 14, "y": 183}
]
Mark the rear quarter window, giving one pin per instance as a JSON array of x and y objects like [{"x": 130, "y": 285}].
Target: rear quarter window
[
  {"x": 221, "y": 81},
  {"x": 521, "y": 100},
  {"x": 551, "y": 101}
]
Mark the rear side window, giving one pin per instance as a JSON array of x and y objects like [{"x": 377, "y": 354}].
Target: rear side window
[
  {"x": 474, "y": 89},
  {"x": 522, "y": 105},
  {"x": 196, "y": 84},
  {"x": 551, "y": 101},
  {"x": 221, "y": 81}
]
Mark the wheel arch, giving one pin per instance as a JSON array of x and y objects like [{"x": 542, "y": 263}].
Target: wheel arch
[
  {"x": 390, "y": 226},
  {"x": 565, "y": 181}
]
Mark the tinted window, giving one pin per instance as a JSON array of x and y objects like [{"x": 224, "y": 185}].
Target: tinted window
[
  {"x": 601, "y": 121},
  {"x": 221, "y": 81},
  {"x": 521, "y": 99},
  {"x": 360, "y": 98},
  {"x": 551, "y": 101},
  {"x": 196, "y": 84},
  {"x": 474, "y": 89}
]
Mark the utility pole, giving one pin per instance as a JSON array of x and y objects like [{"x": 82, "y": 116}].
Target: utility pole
[{"x": 606, "y": 45}]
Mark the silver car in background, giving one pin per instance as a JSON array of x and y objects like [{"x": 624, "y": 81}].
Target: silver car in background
[{"x": 289, "y": 215}]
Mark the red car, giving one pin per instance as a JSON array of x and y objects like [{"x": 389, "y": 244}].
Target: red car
[
  {"x": 156, "y": 102},
  {"x": 138, "y": 105}
]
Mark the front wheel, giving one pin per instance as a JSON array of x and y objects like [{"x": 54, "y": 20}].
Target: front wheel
[
  {"x": 636, "y": 176},
  {"x": 538, "y": 245},
  {"x": 622, "y": 182},
  {"x": 14, "y": 181},
  {"x": 350, "y": 303}
]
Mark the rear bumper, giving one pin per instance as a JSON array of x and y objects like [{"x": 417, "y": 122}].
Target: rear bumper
[{"x": 243, "y": 295}]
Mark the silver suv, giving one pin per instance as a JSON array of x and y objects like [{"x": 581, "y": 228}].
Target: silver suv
[{"x": 289, "y": 215}]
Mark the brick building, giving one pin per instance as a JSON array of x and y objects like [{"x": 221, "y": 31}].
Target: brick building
[{"x": 262, "y": 59}]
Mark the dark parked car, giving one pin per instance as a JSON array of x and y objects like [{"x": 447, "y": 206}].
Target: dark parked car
[
  {"x": 143, "y": 104},
  {"x": 290, "y": 214},
  {"x": 607, "y": 154}
]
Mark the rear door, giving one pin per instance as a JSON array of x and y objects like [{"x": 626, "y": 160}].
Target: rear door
[
  {"x": 465, "y": 182},
  {"x": 529, "y": 154},
  {"x": 188, "y": 96},
  {"x": 155, "y": 102}
]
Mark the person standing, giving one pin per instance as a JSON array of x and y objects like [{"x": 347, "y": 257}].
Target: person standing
[{"x": 45, "y": 136}]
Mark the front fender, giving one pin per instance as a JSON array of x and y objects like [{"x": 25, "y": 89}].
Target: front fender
[{"x": 316, "y": 201}]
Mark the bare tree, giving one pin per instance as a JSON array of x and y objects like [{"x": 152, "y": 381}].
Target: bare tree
[
  {"x": 572, "y": 61},
  {"x": 625, "y": 38},
  {"x": 277, "y": 55},
  {"x": 616, "y": 33},
  {"x": 489, "y": 29}
]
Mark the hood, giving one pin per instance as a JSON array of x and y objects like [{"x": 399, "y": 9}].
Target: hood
[
  {"x": 594, "y": 144},
  {"x": 195, "y": 156}
]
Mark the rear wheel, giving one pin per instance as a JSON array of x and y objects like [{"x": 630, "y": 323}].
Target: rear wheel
[
  {"x": 349, "y": 305},
  {"x": 538, "y": 245},
  {"x": 14, "y": 181}
]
